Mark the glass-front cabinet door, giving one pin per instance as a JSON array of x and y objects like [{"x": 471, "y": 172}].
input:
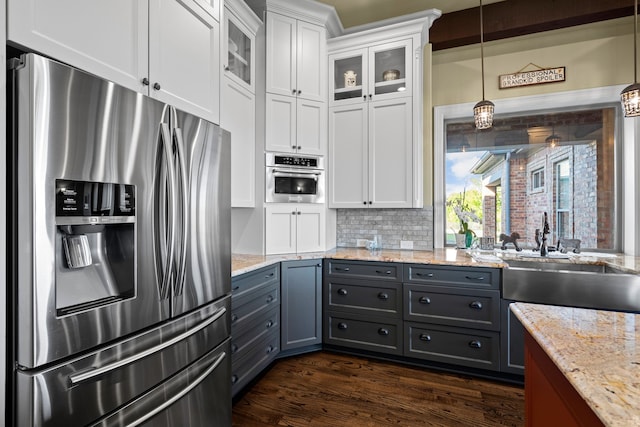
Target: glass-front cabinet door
[
  {"x": 240, "y": 56},
  {"x": 349, "y": 77},
  {"x": 391, "y": 70}
]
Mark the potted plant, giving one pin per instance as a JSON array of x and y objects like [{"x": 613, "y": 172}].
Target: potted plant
[{"x": 465, "y": 235}]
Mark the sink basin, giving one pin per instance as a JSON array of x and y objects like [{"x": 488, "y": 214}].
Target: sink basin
[{"x": 571, "y": 284}]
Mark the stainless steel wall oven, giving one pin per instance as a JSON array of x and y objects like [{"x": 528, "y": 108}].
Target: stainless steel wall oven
[{"x": 294, "y": 178}]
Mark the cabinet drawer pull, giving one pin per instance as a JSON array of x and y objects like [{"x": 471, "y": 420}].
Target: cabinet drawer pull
[
  {"x": 342, "y": 291},
  {"x": 234, "y": 317},
  {"x": 235, "y": 288},
  {"x": 383, "y": 331},
  {"x": 425, "y": 337},
  {"x": 342, "y": 326},
  {"x": 234, "y": 379},
  {"x": 383, "y": 296},
  {"x": 269, "y": 275},
  {"x": 234, "y": 348},
  {"x": 424, "y": 300},
  {"x": 341, "y": 269},
  {"x": 475, "y": 344},
  {"x": 476, "y": 305},
  {"x": 270, "y": 298},
  {"x": 383, "y": 272},
  {"x": 156, "y": 86},
  {"x": 270, "y": 349},
  {"x": 474, "y": 277},
  {"x": 269, "y": 324},
  {"x": 424, "y": 275}
]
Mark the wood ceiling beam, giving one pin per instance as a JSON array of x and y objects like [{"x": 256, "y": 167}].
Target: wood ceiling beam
[{"x": 514, "y": 18}]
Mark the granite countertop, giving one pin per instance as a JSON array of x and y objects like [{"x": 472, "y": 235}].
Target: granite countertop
[
  {"x": 243, "y": 263},
  {"x": 597, "y": 351}
]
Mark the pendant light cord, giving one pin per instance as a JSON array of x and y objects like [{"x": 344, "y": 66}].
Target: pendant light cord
[{"x": 482, "y": 47}]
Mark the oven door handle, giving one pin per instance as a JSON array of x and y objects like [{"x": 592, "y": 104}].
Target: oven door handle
[
  {"x": 94, "y": 372},
  {"x": 292, "y": 172}
]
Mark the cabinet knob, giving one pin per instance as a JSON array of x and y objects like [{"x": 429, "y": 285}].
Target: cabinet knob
[
  {"x": 476, "y": 305},
  {"x": 293, "y": 212},
  {"x": 235, "y": 288},
  {"x": 341, "y": 269},
  {"x": 270, "y": 298},
  {"x": 293, "y": 147},
  {"x": 342, "y": 326},
  {"x": 475, "y": 344},
  {"x": 424, "y": 300},
  {"x": 383, "y": 332},
  {"x": 424, "y": 274},
  {"x": 370, "y": 96},
  {"x": 234, "y": 379},
  {"x": 364, "y": 203},
  {"x": 364, "y": 97},
  {"x": 270, "y": 349},
  {"x": 299, "y": 147},
  {"x": 234, "y": 317},
  {"x": 234, "y": 348},
  {"x": 299, "y": 92},
  {"x": 269, "y": 324},
  {"x": 293, "y": 91},
  {"x": 370, "y": 202},
  {"x": 425, "y": 337},
  {"x": 383, "y": 296},
  {"x": 226, "y": 68},
  {"x": 145, "y": 81},
  {"x": 342, "y": 291},
  {"x": 269, "y": 275},
  {"x": 383, "y": 272},
  {"x": 474, "y": 277},
  {"x": 156, "y": 86}
]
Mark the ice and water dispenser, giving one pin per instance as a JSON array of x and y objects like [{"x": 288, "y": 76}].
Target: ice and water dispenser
[{"x": 95, "y": 244}]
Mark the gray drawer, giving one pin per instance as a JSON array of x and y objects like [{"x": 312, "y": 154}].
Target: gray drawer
[
  {"x": 364, "y": 269},
  {"x": 255, "y": 361},
  {"x": 242, "y": 315},
  {"x": 379, "y": 299},
  {"x": 243, "y": 284},
  {"x": 487, "y": 278},
  {"x": 466, "y": 347},
  {"x": 264, "y": 322},
  {"x": 470, "y": 308},
  {"x": 380, "y": 335}
]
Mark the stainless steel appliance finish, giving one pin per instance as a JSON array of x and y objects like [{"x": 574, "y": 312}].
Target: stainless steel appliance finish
[
  {"x": 101, "y": 293},
  {"x": 294, "y": 178},
  {"x": 576, "y": 285}
]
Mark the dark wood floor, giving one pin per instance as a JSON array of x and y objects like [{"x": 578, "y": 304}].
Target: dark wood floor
[{"x": 328, "y": 389}]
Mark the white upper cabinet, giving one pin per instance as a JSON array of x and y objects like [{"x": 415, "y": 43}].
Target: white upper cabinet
[
  {"x": 296, "y": 58},
  {"x": 379, "y": 72},
  {"x": 184, "y": 57},
  {"x": 139, "y": 44},
  {"x": 239, "y": 44}
]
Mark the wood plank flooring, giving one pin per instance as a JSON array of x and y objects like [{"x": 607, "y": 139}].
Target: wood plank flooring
[{"x": 328, "y": 389}]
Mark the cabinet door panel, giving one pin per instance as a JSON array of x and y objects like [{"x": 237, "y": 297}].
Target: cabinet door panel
[
  {"x": 280, "y": 229},
  {"x": 310, "y": 229},
  {"x": 348, "y": 156},
  {"x": 280, "y": 123},
  {"x": 311, "y": 127},
  {"x": 238, "y": 117},
  {"x": 391, "y": 153},
  {"x": 391, "y": 71},
  {"x": 281, "y": 54},
  {"x": 311, "y": 57},
  {"x": 301, "y": 304},
  {"x": 184, "y": 57},
  {"x": 108, "y": 39}
]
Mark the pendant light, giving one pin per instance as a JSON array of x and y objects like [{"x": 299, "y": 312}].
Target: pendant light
[
  {"x": 483, "y": 110},
  {"x": 630, "y": 96},
  {"x": 554, "y": 139}
]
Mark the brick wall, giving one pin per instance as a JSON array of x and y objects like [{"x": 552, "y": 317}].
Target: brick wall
[{"x": 392, "y": 225}]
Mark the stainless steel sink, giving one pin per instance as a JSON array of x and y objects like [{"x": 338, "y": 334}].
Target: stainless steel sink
[{"x": 571, "y": 284}]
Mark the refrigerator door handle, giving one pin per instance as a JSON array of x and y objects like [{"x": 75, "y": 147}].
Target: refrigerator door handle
[
  {"x": 184, "y": 205},
  {"x": 89, "y": 374},
  {"x": 180, "y": 394},
  {"x": 166, "y": 229}
]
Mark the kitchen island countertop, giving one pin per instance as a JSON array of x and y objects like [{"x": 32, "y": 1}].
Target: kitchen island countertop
[{"x": 597, "y": 351}]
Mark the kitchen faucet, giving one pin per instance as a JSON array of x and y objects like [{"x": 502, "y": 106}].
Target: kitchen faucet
[{"x": 543, "y": 235}]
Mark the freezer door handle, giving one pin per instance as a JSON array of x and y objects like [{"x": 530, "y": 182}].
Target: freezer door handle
[
  {"x": 89, "y": 374},
  {"x": 180, "y": 394}
]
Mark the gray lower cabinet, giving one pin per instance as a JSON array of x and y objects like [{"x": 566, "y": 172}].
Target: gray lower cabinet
[
  {"x": 362, "y": 304},
  {"x": 512, "y": 341},
  {"x": 301, "y": 307},
  {"x": 452, "y": 315},
  {"x": 255, "y": 324}
]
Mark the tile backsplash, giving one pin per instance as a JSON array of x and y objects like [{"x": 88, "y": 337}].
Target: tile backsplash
[{"x": 392, "y": 225}]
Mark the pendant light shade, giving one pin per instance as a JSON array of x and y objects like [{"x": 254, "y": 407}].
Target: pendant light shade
[
  {"x": 630, "y": 96},
  {"x": 483, "y": 110}
]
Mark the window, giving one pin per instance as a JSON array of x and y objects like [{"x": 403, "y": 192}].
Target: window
[
  {"x": 514, "y": 176},
  {"x": 537, "y": 180}
]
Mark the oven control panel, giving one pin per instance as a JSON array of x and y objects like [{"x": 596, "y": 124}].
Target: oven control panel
[{"x": 296, "y": 161}]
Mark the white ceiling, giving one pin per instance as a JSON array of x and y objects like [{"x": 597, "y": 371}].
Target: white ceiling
[{"x": 359, "y": 12}]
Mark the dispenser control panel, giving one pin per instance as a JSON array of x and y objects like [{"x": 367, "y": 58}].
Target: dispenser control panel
[{"x": 94, "y": 199}]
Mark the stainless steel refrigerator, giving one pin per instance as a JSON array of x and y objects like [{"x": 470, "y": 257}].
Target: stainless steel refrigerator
[{"x": 120, "y": 262}]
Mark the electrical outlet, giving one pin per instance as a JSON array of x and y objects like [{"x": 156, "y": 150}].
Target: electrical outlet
[
  {"x": 406, "y": 244},
  {"x": 362, "y": 243}
]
